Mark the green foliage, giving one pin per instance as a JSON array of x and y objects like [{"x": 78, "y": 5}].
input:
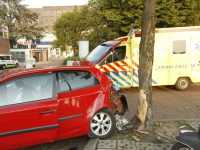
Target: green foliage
[
  {"x": 72, "y": 58},
  {"x": 64, "y": 62},
  {"x": 122, "y": 15},
  {"x": 69, "y": 29},
  {"x": 184, "y": 122},
  {"x": 19, "y": 21},
  {"x": 176, "y": 13},
  {"x": 77, "y": 58},
  {"x": 103, "y": 20}
]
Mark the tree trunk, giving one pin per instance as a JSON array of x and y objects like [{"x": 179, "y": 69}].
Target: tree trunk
[{"x": 144, "y": 112}]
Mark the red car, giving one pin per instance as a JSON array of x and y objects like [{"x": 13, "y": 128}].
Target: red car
[{"x": 46, "y": 104}]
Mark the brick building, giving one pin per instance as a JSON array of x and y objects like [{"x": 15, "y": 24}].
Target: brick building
[
  {"x": 48, "y": 14},
  {"x": 4, "y": 45}
]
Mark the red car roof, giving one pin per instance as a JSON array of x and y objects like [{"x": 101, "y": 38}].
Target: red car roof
[{"x": 21, "y": 72}]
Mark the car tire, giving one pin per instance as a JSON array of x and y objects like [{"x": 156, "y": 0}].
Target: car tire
[
  {"x": 3, "y": 67},
  {"x": 102, "y": 124},
  {"x": 183, "y": 84},
  {"x": 16, "y": 65}
]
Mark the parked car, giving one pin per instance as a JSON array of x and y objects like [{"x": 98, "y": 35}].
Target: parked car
[
  {"x": 41, "y": 105},
  {"x": 8, "y": 61}
]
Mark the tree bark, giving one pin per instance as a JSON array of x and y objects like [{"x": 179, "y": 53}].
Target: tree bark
[{"x": 144, "y": 111}]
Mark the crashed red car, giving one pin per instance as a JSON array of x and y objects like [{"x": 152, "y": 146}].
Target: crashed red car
[{"x": 47, "y": 104}]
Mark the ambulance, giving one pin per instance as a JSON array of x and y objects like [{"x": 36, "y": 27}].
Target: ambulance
[{"x": 176, "y": 58}]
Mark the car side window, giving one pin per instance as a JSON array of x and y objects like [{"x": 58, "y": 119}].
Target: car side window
[
  {"x": 72, "y": 80},
  {"x": 26, "y": 89},
  {"x": 2, "y": 58},
  {"x": 7, "y": 57}
]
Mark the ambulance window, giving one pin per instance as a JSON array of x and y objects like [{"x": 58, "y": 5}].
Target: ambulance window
[
  {"x": 179, "y": 47},
  {"x": 117, "y": 55}
]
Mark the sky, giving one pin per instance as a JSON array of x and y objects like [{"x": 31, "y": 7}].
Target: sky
[{"x": 41, "y": 3}]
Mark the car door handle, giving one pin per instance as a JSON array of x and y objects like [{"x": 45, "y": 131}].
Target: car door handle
[{"x": 48, "y": 112}]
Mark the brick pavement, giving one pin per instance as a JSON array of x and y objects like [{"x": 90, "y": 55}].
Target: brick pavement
[{"x": 168, "y": 103}]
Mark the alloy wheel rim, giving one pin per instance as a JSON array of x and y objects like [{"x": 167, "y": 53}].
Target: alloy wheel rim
[{"x": 101, "y": 124}]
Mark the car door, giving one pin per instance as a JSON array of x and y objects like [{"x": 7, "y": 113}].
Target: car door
[
  {"x": 77, "y": 91},
  {"x": 9, "y": 61},
  {"x": 28, "y": 111}
]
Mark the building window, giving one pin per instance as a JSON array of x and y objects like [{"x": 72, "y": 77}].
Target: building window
[
  {"x": 52, "y": 17},
  {"x": 179, "y": 47},
  {"x": 52, "y": 11},
  {"x": 57, "y": 11},
  {"x": 46, "y": 12},
  {"x": 46, "y": 17}
]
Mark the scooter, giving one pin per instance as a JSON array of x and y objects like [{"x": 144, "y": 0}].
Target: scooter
[{"x": 188, "y": 139}]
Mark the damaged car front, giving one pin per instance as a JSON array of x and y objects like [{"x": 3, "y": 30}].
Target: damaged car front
[{"x": 119, "y": 106}]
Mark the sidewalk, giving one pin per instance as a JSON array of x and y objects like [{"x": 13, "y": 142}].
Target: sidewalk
[{"x": 97, "y": 144}]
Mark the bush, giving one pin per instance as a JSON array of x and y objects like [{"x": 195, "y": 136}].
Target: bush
[{"x": 72, "y": 58}]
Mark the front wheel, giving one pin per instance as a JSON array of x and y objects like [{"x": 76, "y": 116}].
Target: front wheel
[
  {"x": 179, "y": 146},
  {"x": 183, "y": 84},
  {"x": 102, "y": 124}
]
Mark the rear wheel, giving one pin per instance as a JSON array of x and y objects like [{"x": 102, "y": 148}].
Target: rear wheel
[
  {"x": 3, "y": 67},
  {"x": 183, "y": 84},
  {"x": 103, "y": 124},
  {"x": 16, "y": 65},
  {"x": 179, "y": 146}
]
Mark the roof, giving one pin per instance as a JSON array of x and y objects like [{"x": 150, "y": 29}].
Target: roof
[{"x": 38, "y": 70}]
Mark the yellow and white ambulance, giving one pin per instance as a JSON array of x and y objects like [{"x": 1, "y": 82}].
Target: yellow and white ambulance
[{"x": 176, "y": 58}]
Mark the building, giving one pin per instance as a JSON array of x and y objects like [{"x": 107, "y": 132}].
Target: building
[
  {"x": 4, "y": 45},
  {"x": 4, "y": 42},
  {"x": 43, "y": 50},
  {"x": 48, "y": 14}
]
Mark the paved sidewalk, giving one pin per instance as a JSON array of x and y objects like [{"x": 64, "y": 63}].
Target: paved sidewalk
[{"x": 96, "y": 144}]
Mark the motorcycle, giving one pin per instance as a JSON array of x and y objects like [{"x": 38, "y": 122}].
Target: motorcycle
[{"x": 187, "y": 139}]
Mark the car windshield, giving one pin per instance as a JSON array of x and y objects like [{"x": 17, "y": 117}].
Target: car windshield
[{"x": 98, "y": 53}]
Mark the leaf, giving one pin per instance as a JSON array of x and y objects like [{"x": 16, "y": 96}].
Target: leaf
[
  {"x": 143, "y": 132},
  {"x": 135, "y": 138}
]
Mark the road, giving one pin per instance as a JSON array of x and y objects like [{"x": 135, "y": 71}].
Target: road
[{"x": 168, "y": 105}]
